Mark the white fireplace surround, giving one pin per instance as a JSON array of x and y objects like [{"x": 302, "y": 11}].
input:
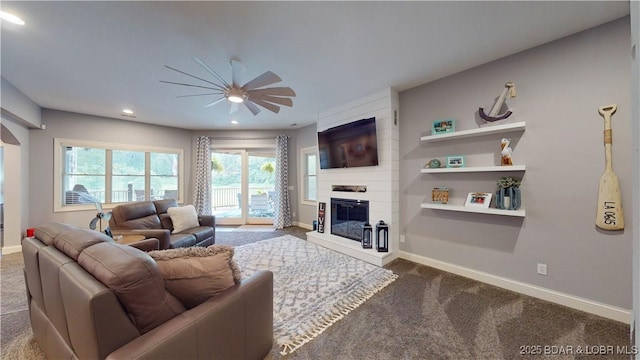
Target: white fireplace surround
[{"x": 382, "y": 181}]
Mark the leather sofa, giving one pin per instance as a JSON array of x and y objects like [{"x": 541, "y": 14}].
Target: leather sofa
[
  {"x": 150, "y": 218},
  {"x": 75, "y": 316}
]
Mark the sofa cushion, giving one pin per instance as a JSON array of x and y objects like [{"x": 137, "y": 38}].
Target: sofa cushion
[
  {"x": 195, "y": 274},
  {"x": 165, "y": 220},
  {"x": 136, "y": 280},
  {"x": 182, "y": 240},
  {"x": 48, "y": 232},
  {"x": 183, "y": 218},
  {"x": 137, "y": 215},
  {"x": 163, "y": 205},
  {"x": 200, "y": 232},
  {"x": 73, "y": 242}
]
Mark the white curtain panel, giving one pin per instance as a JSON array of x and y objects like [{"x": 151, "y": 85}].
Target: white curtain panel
[
  {"x": 202, "y": 189},
  {"x": 282, "y": 215}
]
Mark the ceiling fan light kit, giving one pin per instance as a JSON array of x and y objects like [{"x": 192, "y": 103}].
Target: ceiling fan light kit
[{"x": 251, "y": 94}]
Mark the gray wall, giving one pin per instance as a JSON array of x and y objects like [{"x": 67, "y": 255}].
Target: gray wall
[
  {"x": 560, "y": 87},
  {"x": 306, "y": 137},
  {"x": 60, "y": 124}
]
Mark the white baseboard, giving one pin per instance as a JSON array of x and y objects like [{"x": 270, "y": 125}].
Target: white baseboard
[
  {"x": 11, "y": 249},
  {"x": 575, "y": 302},
  {"x": 303, "y": 225}
]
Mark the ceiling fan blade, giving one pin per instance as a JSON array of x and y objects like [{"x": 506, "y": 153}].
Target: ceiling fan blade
[
  {"x": 195, "y": 77},
  {"x": 215, "y": 102},
  {"x": 275, "y": 91},
  {"x": 266, "y": 105},
  {"x": 237, "y": 68},
  {"x": 183, "y": 84},
  {"x": 265, "y": 79},
  {"x": 215, "y": 93},
  {"x": 233, "y": 108},
  {"x": 252, "y": 107},
  {"x": 211, "y": 71},
  {"x": 107, "y": 216},
  {"x": 275, "y": 99}
]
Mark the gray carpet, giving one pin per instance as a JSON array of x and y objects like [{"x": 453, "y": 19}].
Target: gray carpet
[{"x": 424, "y": 314}]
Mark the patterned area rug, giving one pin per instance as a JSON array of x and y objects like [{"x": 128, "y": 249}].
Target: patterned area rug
[{"x": 313, "y": 287}]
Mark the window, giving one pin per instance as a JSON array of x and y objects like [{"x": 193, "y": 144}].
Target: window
[
  {"x": 309, "y": 176},
  {"x": 111, "y": 174}
]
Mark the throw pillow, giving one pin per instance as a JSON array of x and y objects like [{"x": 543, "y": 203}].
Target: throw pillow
[
  {"x": 183, "y": 218},
  {"x": 195, "y": 274}
]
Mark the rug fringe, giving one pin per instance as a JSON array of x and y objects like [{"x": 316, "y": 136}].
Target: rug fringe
[{"x": 342, "y": 309}]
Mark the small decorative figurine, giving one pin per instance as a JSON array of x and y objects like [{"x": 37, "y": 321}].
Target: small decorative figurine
[
  {"x": 433, "y": 164},
  {"x": 505, "y": 158},
  {"x": 509, "y": 89}
]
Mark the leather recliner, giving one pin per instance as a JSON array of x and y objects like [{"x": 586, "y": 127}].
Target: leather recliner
[{"x": 150, "y": 218}]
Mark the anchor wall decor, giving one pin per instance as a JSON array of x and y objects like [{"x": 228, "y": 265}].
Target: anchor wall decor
[{"x": 510, "y": 90}]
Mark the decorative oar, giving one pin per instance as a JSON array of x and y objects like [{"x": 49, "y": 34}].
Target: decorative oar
[
  {"x": 609, "y": 215},
  {"x": 509, "y": 89}
]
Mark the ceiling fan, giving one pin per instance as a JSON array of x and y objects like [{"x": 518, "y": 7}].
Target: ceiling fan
[{"x": 252, "y": 94}]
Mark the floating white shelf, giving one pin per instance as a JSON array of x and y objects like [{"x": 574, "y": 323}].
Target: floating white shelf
[
  {"x": 491, "y": 211},
  {"x": 474, "y": 169},
  {"x": 487, "y": 130}
]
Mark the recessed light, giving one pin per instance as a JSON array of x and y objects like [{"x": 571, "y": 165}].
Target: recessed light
[
  {"x": 11, "y": 18},
  {"x": 234, "y": 122},
  {"x": 127, "y": 111}
]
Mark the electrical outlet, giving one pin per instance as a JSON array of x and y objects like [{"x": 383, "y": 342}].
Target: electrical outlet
[
  {"x": 293, "y": 214},
  {"x": 401, "y": 238},
  {"x": 542, "y": 269}
]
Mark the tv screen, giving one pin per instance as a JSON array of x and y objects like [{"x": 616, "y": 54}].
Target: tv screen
[{"x": 349, "y": 145}]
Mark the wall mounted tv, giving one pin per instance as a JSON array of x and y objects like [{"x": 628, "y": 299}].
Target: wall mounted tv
[{"x": 350, "y": 145}]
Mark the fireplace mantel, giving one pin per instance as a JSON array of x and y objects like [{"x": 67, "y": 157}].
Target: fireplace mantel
[{"x": 350, "y": 247}]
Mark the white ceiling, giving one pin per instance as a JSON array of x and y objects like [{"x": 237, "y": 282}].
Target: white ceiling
[{"x": 100, "y": 57}]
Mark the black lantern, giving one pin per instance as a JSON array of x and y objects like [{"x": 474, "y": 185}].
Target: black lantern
[
  {"x": 367, "y": 236},
  {"x": 382, "y": 237}
]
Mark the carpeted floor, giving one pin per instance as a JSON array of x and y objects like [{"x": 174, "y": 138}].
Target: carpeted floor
[{"x": 424, "y": 314}]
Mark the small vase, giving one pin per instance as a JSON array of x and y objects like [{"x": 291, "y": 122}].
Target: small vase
[{"x": 508, "y": 198}]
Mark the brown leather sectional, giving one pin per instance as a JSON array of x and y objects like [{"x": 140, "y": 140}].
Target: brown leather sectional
[
  {"x": 74, "y": 315},
  {"x": 150, "y": 218}
]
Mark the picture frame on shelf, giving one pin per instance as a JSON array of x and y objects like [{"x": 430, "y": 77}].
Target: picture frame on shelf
[
  {"x": 440, "y": 195},
  {"x": 445, "y": 126},
  {"x": 478, "y": 199},
  {"x": 455, "y": 161}
]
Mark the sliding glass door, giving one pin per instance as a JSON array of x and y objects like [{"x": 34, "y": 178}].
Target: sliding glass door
[{"x": 243, "y": 185}]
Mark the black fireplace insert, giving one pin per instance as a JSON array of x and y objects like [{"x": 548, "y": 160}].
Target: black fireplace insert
[{"x": 348, "y": 216}]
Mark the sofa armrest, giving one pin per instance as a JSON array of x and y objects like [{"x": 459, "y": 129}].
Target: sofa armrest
[
  {"x": 236, "y": 324},
  {"x": 163, "y": 235},
  {"x": 207, "y": 220}
]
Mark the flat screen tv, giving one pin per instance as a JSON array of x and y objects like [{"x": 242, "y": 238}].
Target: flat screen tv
[{"x": 350, "y": 145}]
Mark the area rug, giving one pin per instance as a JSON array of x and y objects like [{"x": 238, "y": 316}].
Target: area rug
[
  {"x": 313, "y": 288},
  {"x": 259, "y": 228}
]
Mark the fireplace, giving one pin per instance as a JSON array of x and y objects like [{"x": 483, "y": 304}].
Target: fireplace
[{"x": 348, "y": 216}]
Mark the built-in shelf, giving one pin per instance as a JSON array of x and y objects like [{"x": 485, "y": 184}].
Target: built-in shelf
[
  {"x": 487, "y": 130},
  {"x": 491, "y": 211},
  {"x": 474, "y": 169}
]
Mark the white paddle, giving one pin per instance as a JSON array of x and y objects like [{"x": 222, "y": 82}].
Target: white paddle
[{"x": 609, "y": 215}]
